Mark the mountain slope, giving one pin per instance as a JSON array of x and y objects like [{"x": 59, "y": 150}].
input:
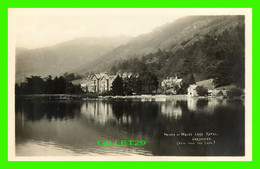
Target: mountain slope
[
  {"x": 170, "y": 37},
  {"x": 218, "y": 54},
  {"x": 63, "y": 57}
]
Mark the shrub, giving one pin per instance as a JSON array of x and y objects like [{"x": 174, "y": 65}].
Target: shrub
[
  {"x": 90, "y": 95},
  {"x": 106, "y": 93},
  {"x": 201, "y": 91},
  {"x": 235, "y": 92},
  {"x": 220, "y": 93}
]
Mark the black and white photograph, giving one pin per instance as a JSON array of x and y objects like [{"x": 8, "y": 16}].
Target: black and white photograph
[{"x": 130, "y": 84}]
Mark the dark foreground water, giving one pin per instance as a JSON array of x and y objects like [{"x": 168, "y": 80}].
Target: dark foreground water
[{"x": 193, "y": 127}]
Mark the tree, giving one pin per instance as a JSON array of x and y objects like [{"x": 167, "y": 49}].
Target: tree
[
  {"x": 132, "y": 85},
  {"x": 235, "y": 92},
  {"x": 201, "y": 91},
  {"x": 113, "y": 70},
  {"x": 61, "y": 85},
  {"x": 49, "y": 85},
  {"x": 69, "y": 76},
  {"x": 149, "y": 82},
  {"x": 118, "y": 86},
  {"x": 183, "y": 88},
  {"x": 189, "y": 79},
  {"x": 128, "y": 90},
  {"x": 78, "y": 77},
  {"x": 34, "y": 85},
  {"x": 77, "y": 89},
  {"x": 69, "y": 87},
  {"x": 136, "y": 85},
  {"x": 38, "y": 85},
  {"x": 176, "y": 89},
  {"x": 17, "y": 89}
]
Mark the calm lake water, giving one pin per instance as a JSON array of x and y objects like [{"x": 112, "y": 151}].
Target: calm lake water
[{"x": 174, "y": 127}]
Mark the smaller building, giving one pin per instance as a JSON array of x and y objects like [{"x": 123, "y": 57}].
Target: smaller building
[
  {"x": 222, "y": 91},
  {"x": 191, "y": 91},
  {"x": 208, "y": 84}
]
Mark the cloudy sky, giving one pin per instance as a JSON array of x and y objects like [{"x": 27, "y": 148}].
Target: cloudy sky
[{"x": 45, "y": 27}]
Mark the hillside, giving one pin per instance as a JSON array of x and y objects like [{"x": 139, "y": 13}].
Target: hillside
[
  {"x": 63, "y": 57},
  {"x": 169, "y": 37},
  {"x": 199, "y": 46}
]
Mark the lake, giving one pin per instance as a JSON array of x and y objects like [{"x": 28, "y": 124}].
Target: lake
[{"x": 169, "y": 127}]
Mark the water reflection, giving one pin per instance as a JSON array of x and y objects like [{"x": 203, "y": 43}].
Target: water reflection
[
  {"x": 48, "y": 110},
  {"x": 172, "y": 109},
  {"x": 74, "y": 127}
]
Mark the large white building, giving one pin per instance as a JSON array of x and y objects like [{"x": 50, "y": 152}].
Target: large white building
[
  {"x": 96, "y": 83},
  {"x": 100, "y": 82}
]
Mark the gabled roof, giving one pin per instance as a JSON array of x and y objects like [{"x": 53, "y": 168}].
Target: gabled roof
[
  {"x": 97, "y": 76},
  {"x": 207, "y": 84},
  {"x": 193, "y": 87},
  {"x": 104, "y": 77},
  {"x": 228, "y": 87},
  {"x": 93, "y": 77}
]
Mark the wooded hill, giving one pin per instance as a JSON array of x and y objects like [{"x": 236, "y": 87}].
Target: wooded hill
[
  {"x": 218, "y": 56},
  {"x": 219, "y": 53}
]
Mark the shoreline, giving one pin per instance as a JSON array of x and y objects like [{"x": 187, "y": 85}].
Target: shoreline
[{"x": 159, "y": 97}]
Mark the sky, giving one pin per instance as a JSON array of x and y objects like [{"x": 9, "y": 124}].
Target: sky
[{"x": 40, "y": 27}]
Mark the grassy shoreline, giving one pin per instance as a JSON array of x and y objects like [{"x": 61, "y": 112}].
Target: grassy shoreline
[{"x": 90, "y": 96}]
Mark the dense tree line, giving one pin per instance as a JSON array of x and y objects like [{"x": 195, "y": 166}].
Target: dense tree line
[
  {"x": 217, "y": 55},
  {"x": 145, "y": 83},
  {"x": 48, "y": 85}
]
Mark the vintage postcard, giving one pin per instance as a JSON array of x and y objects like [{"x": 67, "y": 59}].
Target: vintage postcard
[{"x": 131, "y": 84}]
